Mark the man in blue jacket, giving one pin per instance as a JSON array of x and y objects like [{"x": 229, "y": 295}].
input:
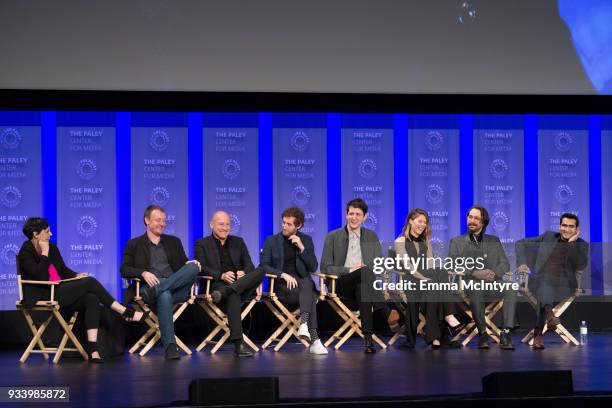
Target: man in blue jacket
[{"x": 290, "y": 255}]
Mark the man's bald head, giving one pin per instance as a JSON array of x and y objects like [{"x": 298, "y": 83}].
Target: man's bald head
[
  {"x": 220, "y": 214},
  {"x": 221, "y": 225}
]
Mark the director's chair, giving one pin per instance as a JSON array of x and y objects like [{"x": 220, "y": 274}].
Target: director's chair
[
  {"x": 491, "y": 308},
  {"x": 558, "y": 310},
  {"x": 51, "y": 308},
  {"x": 290, "y": 321},
  {"x": 220, "y": 318},
  {"x": 352, "y": 323},
  {"x": 153, "y": 334}
]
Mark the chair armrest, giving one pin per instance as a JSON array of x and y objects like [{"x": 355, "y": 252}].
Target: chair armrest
[
  {"x": 270, "y": 276},
  {"x": 325, "y": 276},
  {"x": 46, "y": 283},
  {"x": 208, "y": 280}
]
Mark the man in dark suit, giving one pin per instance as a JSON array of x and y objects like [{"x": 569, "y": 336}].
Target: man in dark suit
[
  {"x": 558, "y": 255},
  {"x": 160, "y": 261},
  {"x": 290, "y": 255},
  {"x": 226, "y": 258},
  {"x": 476, "y": 244}
]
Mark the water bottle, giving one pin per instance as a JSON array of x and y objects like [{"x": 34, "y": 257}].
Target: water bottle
[{"x": 584, "y": 333}]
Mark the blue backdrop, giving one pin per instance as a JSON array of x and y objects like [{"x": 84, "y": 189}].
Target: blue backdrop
[{"x": 92, "y": 174}]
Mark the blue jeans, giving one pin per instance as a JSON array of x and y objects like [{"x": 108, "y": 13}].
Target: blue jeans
[{"x": 171, "y": 290}]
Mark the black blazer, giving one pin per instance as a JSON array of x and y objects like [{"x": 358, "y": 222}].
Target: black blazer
[
  {"x": 272, "y": 257},
  {"x": 32, "y": 266},
  {"x": 206, "y": 252},
  {"x": 137, "y": 257},
  {"x": 534, "y": 252},
  {"x": 495, "y": 258}
]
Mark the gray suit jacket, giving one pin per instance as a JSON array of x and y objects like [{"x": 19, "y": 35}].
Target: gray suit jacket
[
  {"x": 336, "y": 248},
  {"x": 495, "y": 258}
]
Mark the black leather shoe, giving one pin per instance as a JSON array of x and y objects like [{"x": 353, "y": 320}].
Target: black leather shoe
[
  {"x": 243, "y": 351},
  {"x": 451, "y": 345},
  {"x": 483, "y": 342},
  {"x": 92, "y": 347},
  {"x": 219, "y": 295},
  {"x": 505, "y": 341},
  {"x": 369, "y": 346},
  {"x": 148, "y": 295},
  {"x": 407, "y": 345},
  {"x": 172, "y": 352}
]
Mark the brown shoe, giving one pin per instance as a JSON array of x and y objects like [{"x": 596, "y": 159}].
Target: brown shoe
[
  {"x": 552, "y": 321},
  {"x": 393, "y": 320},
  {"x": 538, "y": 339}
]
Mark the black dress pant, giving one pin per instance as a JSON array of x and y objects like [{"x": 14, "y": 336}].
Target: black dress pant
[
  {"x": 548, "y": 290},
  {"x": 234, "y": 294},
  {"x": 358, "y": 285},
  {"x": 84, "y": 294},
  {"x": 304, "y": 297}
]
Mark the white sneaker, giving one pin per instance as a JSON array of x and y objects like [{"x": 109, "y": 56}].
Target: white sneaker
[
  {"x": 303, "y": 332},
  {"x": 317, "y": 348}
]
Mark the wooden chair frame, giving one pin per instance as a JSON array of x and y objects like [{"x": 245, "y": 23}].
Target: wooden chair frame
[
  {"x": 400, "y": 300},
  {"x": 558, "y": 310},
  {"x": 220, "y": 318},
  {"x": 153, "y": 334},
  {"x": 290, "y": 321},
  {"x": 352, "y": 323},
  {"x": 470, "y": 330},
  {"x": 51, "y": 307}
]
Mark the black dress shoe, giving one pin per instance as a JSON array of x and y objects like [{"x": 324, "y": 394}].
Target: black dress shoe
[
  {"x": 369, "y": 347},
  {"x": 483, "y": 342},
  {"x": 220, "y": 294},
  {"x": 451, "y": 345},
  {"x": 148, "y": 295},
  {"x": 435, "y": 346},
  {"x": 407, "y": 345},
  {"x": 92, "y": 347},
  {"x": 172, "y": 352},
  {"x": 505, "y": 341},
  {"x": 243, "y": 351}
]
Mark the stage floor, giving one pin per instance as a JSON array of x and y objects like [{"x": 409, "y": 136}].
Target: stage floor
[{"x": 135, "y": 381}]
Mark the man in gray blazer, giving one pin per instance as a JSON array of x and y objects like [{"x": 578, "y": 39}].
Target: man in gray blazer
[
  {"x": 290, "y": 255},
  {"x": 476, "y": 244},
  {"x": 555, "y": 257},
  {"x": 349, "y": 253}
]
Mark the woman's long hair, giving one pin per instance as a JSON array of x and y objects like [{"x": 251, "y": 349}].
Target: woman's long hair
[{"x": 415, "y": 212}]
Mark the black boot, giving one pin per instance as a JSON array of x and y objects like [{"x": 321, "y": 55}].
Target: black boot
[
  {"x": 220, "y": 294},
  {"x": 369, "y": 344},
  {"x": 505, "y": 340},
  {"x": 483, "y": 342},
  {"x": 240, "y": 350}
]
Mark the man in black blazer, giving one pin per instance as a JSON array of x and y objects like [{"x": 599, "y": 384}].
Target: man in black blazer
[
  {"x": 555, "y": 258},
  {"x": 160, "y": 261},
  {"x": 290, "y": 255},
  {"x": 476, "y": 244},
  {"x": 226, "y": 258}
]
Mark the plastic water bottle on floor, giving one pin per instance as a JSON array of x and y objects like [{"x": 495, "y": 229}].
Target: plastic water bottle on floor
[{"x": 584, "y": 333}]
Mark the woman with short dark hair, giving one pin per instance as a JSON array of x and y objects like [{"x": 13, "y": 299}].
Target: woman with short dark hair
[{"x": 40, "y": 260}]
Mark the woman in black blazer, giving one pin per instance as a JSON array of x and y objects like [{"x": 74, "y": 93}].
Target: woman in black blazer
[{"x": 40, "y": 260}]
